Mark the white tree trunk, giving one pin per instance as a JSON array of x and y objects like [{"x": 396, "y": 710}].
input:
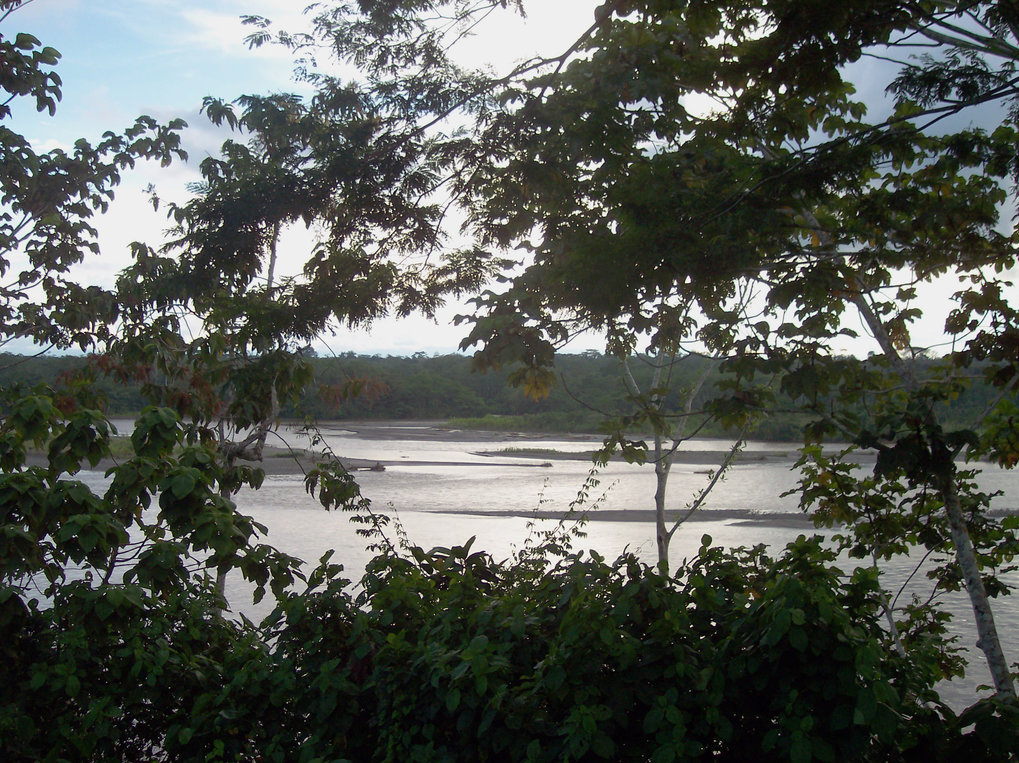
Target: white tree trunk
[{"x": 987, "y": 632}]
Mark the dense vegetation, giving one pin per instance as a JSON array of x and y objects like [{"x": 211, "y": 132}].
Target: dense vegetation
[
  {"x": 447, "y": 655},
  {"x": 589, "y": 389},
  {"x": 749, "y": 233}
]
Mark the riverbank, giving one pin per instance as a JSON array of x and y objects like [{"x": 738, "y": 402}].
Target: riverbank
[
  {"x": 732, "y": 517},
  {"x": 281, "y": 460}
]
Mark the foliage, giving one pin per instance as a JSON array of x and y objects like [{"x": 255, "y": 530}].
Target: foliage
[
  {"x": 215, "y": 324},
  {"x": 72, "y": 547},
  {"x": 112, "y": 633},
  {"x": 361, "y": 387},
  {"x": 678, "y": 157},
  {"x": 105, "y": 601},
  {"x": 448, "y": 655},
  {"x": 320, "y": 164},
  {"x": 48, "y": 201}
]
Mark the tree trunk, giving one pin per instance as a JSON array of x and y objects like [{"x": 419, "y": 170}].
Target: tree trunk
[
  {"x": 665, "y": 449},
  {"x": 987, "y": 633},
  {"x": 662, "y": 467}
]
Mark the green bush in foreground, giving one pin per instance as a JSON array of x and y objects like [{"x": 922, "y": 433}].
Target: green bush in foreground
[
  {"x": 113, "y": 645},
  {"x": 446, "y": 655}
]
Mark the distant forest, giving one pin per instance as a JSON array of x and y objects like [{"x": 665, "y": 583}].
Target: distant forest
[{"x": 589, "y": 389}]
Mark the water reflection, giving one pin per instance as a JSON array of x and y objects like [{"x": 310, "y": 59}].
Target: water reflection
[{"x": 434, "y": 487}]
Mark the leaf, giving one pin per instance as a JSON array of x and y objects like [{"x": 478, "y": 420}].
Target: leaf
[
  {"x": 798, "y": 639},
  {"x": 183, "y": 483},
  {"x": 25, "y": 41},
  {"x": 452, "y": 699}
]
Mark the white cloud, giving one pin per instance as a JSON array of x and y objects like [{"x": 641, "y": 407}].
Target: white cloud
[
  {"x": 219, "y": 28},
  {"x": 548, "y": 29},
  {"x": 221, "y": 33}
]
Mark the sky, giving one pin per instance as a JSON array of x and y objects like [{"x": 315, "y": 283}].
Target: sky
[
  {"x": 121, "y": 59},
  {"x": 124, "y": 58}
]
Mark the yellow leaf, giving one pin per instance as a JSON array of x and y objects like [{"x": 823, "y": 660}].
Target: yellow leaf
[{"x": 538, "y": 383}]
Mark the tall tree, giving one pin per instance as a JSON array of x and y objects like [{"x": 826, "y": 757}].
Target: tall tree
[
  {"x": 97, "y": 585},
  {"x": 780, "y": 181},
  {"x": 327, "y": 163},
  {"x": 688, "y": 148}
]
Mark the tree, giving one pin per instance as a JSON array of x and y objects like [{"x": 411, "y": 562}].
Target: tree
[
  {"x": 108, "y": 613},
  {"x": 782, "y": 183},
  {"x": 96, "y": 586},
  {"x": 598, "y": 163},
  {"x": 666, "y": 408},
  {"x": 668, "y": 438},
  {"x": 328, "y": 164},
  {"x": 47, "y": 202}
]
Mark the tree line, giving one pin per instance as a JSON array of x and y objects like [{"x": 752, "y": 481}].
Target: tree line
[{"x": 589, "y": 390}]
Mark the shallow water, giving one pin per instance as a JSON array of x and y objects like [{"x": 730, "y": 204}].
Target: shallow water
[
  {"x": 434, "y": 495},
  {"x": 443, "y": 473},
  {"x": 298, "y": 525}
]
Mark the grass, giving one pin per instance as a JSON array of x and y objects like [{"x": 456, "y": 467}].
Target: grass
[{"x": 529, "y": 451}]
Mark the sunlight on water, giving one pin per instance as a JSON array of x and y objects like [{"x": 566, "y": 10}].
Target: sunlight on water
[{"x": 434, "y": 487}]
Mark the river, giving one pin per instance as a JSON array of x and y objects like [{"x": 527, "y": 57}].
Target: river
[{"x": 442, "y": 489}]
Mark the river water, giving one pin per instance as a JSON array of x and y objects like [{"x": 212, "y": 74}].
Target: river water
[{"x": 442, "y": 490}]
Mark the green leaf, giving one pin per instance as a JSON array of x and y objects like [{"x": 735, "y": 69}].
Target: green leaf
[
  {"x": 452, "y": 699},
  {"x": 603, "y": 746},
  {"x": 182, "y": 484},
  {"x": 25, "y": 41},
  {"x": 800, "y": 751},
  {"x": 798, "y": 639},
  {"x": 534, "y": 750}
]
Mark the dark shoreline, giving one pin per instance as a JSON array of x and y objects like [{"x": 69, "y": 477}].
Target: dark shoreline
[
  {"x": 693, "y": 457},
  {"x": 729, "y": 516}
]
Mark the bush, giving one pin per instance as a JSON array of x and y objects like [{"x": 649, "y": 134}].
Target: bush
[
  {"x": 449, "y": 656},
  {"x": 113, "y": 645}
]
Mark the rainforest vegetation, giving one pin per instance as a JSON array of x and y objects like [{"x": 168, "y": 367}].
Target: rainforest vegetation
[
  {"x": 589, "y": 390},
  {"x": 588, "y": 191}
]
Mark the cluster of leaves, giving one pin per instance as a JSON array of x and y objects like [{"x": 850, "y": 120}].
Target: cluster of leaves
[
  {"x": 159, "y": 518},
  {"x": 48, "y": 201},
  {"x": 877, "y": 517},
  {"x": 106, "y": 598}
]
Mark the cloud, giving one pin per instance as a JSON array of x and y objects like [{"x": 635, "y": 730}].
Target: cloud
[
  {"x": 223, "y": 31},
  {"x": 505, "y": 38}
]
